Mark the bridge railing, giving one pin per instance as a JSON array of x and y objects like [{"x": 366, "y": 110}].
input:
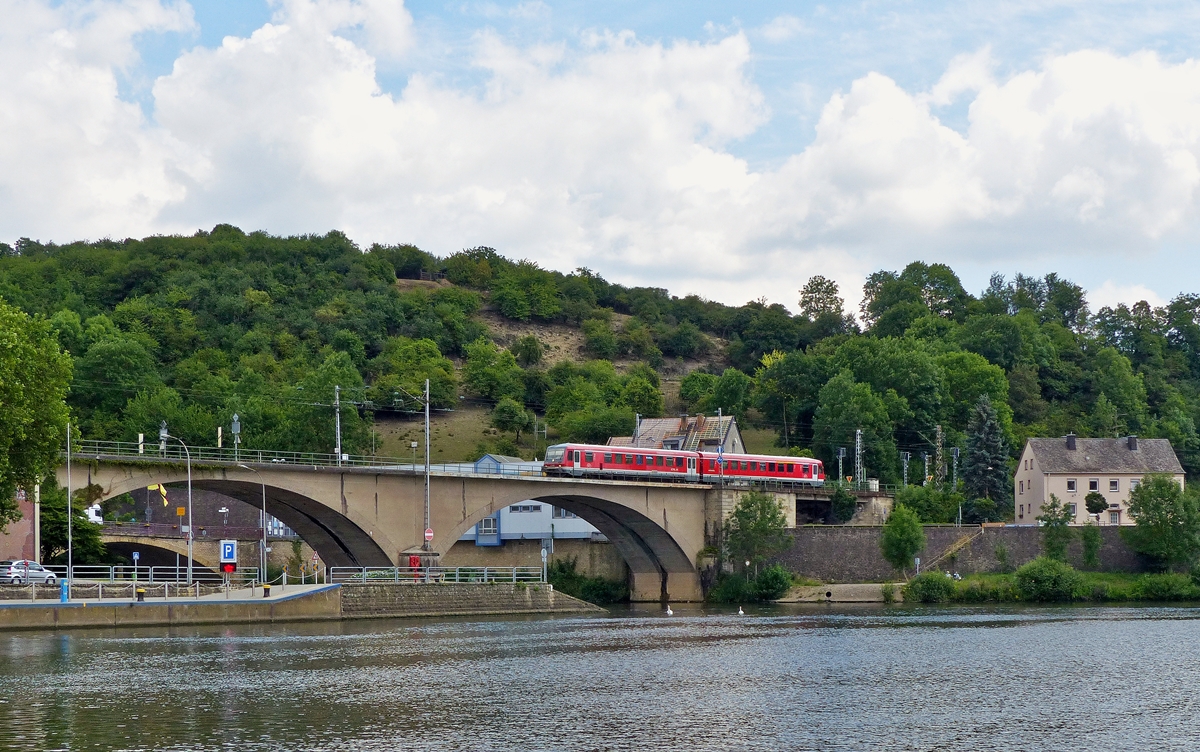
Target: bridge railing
[
  {"x": 422, "y": 575},
  {"x": 167, "y": 530},
  {"x": 127, "y": 574}
]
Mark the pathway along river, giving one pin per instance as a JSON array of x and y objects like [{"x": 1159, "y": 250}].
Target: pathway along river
[{"x": 796, "y": 679}]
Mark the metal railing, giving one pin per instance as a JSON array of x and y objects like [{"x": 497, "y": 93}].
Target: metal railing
[
  {"x": 127, "y": 574},
  {"x": 167, "y": 530},
  {"x": 423, "y": 575}
]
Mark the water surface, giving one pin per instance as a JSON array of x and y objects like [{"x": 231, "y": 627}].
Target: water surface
[{"x": 799, "y": 678}]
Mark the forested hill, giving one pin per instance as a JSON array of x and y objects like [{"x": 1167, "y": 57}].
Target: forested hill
[{"x": 193, "y": 329}]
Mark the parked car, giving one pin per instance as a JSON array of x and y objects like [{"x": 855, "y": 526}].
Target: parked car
[{"x": 23, "y": 570}]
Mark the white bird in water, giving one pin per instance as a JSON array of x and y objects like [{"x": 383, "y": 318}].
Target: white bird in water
[
  {"x": 741, "y": 612},
  {"x": 669, "y": 611}
]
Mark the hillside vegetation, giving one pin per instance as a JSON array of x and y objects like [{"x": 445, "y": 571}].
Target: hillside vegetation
[{"x": 193, "y": 329}]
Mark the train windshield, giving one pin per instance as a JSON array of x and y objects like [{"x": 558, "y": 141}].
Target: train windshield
[{"x": 555, "y": 453}]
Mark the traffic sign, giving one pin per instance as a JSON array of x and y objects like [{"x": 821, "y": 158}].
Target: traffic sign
[
  {"x": 315, "y": 558},
  {"x": 228, "y": 551},
  {"x": 136, "y": 555},
  {"x": 428, "y": 533},
  {"x": 180, "y": 511}
]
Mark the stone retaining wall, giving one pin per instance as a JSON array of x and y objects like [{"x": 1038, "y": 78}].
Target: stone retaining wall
[
  {"x": 383, "y": 600},
  {"x": 845, "y": 553}
]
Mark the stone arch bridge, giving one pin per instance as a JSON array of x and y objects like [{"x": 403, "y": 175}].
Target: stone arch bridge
[{"x": 374, "y": 515}]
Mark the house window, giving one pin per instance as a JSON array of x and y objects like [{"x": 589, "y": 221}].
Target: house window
[
  {"x": 1114, "y": 485},
  {"x": 1021, "y": 487},
  {"x": 1071, "y": 510},
  {"x": 562, "y": 514},
  {"x": 1134, "y": 483},
  {"x": 487, "y": 526},
  {"x": 1093, "y": 484},
  {"x": 1022, "y": 512},
  {"x": 1114, "y": 518},
  {"x": 1070, "y": 485},
  {"x": 525, "y": 508}
]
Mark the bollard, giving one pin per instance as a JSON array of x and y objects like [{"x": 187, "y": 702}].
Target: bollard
[
  {"x": 62, "y": 587},
  {"x": 141, "y": 595},
  {"x": 266, "y": 590}
]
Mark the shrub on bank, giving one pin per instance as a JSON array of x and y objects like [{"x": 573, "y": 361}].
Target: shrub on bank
[
  {"x": 771, "y": 584},
  {"x": 931, "y": 587},
  {"x": 1001, "y": 589},
  {"x": 1048, "y": 580},
  {"x": 565, "y": 578}
]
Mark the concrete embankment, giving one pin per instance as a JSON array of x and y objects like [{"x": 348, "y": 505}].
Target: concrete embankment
[
  {"x": 869, "y": 592},
  {"x": 298, "y": 603}
]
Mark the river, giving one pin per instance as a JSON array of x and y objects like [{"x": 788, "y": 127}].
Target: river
[{"x": 783, "y": 678}]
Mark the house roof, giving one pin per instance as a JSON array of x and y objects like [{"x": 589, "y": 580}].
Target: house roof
[
  {"x": 1105, "y": 456},
  {"x": 502, "y": 459},
  {"x": 692, "y": 429}
]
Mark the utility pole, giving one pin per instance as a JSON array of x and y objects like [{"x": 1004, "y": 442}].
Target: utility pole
[
  {"x": 37, "y": 522},
  {"x": 70, "y": 561},
  {"x": 939, "y": 465},
  {"x": 841, "y": 471},
  {"x": 904, "y": 457},
  {"x": 428, "y": 544},
  {"x": 925, "y": 480},
  {"x": 637, "y": 429},
  {"x": 954, "y": 455},
  {"x": 337, "y": 409},
  {"x": 720, "y": 450},
  {"x": 860, "y": 472}
]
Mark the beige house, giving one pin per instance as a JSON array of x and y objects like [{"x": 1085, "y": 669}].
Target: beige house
[{"x": 1071, "y": 468}]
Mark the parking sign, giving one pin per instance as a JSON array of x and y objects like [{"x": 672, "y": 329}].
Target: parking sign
[{"x": 228, "y": 552}]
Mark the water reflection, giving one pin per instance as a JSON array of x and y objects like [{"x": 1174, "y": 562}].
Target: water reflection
[{"x": 806, "y": 677}]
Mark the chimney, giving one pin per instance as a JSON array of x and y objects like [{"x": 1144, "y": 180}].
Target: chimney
[
  {"x": 1133, "y": 443},
  {"x": 1070, "y": 442}
]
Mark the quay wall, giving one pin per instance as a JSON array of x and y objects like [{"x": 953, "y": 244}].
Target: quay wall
[{"x": 383, "y": 600}]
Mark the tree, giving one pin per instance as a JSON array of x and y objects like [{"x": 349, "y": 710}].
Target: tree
[
  {"x": 596, "y": 425},
  {"x": 528, "y": 350},
  {"x": 642, "y": 397},
  {"x": 843, "y": 504},
  {"x": 1167, "y": 522},
  {"x": 756, "y": 530},
  {"x": 34, "y": 375},
  {"x": 492, "y": 373},
  {"x": 1090, "y": 536},
  {"x": 1055, "y": 522},
  {"x": 86, "y": 544},
  {"x": 985, "y": 464},
  {"x": 845, "y": 406},
  {"x": 510, "y": 415},
  {"x": 903, "y": 538},
  {"x": 1095, "y": 502},
  {"x": 819, "y": 297}
]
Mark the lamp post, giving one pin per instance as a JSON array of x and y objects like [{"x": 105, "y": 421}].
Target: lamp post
[
  {"x": 69, "y": 510},
  {"x": 162, "y": 440},
  {"x": 262, "y": 552},
  {"x": 237, "y": 435}
]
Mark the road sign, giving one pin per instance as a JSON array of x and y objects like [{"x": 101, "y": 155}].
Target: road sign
[
  {"x": 428, "y": 533},
  {"x": 136, "y": 555},
  {"x": 180, "y": 511},
  {"x": 228, "y": 552},
  {"x": 315, "y": 558}
]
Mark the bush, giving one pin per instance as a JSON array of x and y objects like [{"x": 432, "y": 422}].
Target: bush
[
  {"x": 1090, "y": 535},
  {"x": 931, "y": 587},
  {"x": 772, "y": 583},
  {"x": 733, "y": 588},
  {"x": 1165, "y": 587},
  {"x": 994, "y": 589},
  {"x": 888, "y": 591},
  {"x": 1045, "y": 579},
  {"x": 565, "y": 577},
  {"x": 843, "y": 504}
]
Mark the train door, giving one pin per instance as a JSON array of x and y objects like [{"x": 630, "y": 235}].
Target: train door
[
  {"x": 575, "y": 457},
  {"x": 691, "y": 467}
]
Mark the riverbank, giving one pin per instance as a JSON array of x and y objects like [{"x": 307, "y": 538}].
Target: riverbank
[
  {"x": 302, "y": 603},
  {"x": 1044, "y": 580}
]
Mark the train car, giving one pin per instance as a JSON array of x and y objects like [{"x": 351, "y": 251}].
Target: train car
[
  {"x": 759, "y": 467},
  {"x": 596, "y": 461}
]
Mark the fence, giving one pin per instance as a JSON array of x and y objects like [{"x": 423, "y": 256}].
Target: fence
[
  {"x": 127, "y": 574},
  {"x": 422, "y": 575},
  {"x": 167, "y": 530}
]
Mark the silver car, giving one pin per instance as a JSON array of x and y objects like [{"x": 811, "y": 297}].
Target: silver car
[{"x": 23, "y": 570}]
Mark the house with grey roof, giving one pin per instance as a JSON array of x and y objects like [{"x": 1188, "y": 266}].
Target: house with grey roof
[
  {"x": 1071, "y": 468},
  {"x": 693, "y": 433}
]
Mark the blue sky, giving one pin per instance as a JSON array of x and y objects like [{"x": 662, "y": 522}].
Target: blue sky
[{"x": 676, "y": 144}]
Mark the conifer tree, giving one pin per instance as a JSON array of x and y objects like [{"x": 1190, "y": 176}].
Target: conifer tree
[{"x": 985, "y": 466}]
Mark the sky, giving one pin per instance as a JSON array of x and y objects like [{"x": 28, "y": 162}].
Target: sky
[{"x": 731, "y": 150}]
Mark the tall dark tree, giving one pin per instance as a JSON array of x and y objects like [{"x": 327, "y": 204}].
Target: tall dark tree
[{"x": 985, "y": 466}]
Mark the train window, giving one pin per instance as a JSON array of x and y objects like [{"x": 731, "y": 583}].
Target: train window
[
  {"x": 641, "y": 459},
  {"x": 588, "y": 457},
  {"x": 753, "y": 465},
  {"x": 657, "y": 460},
  {"x": 712, "y": 465},
  {"x": 620, "y": 459},
  {"x": 771, "y": 467},
  {"x": 629, "y": 459},
  {"x": 608, "y": 458},
  {"x": 791, "y": 468}
]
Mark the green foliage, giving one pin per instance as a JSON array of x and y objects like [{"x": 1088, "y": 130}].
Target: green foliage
[
  {"x": 1090, "y": 536},
  {"x": 34, "y": 375},
  {"x": 843, "y": 504},
  {"x": 1095, "y": 502},
  {"x": 772, "y": 583},
  {"x": 931, "y": 504},
  {"x": 1167, "y": 522},
  {"x": 528, "y": 350},
  {"x": 1046, "y": 579},
  {"x": 888, "y": 591},
  {"x": 929, "y": 587},
  {"x": 756, "y": 530},
  {"x": 985, "y": 462},
  {"x": 847, "y": 405},
  {"x": 903, "y": 537},
  {"x": 1001, "y": 552},
  {"x": 86, "y": 545},
  {"x": 492, "y": 373},
  {"x": 563, "y": 574},
  {"x": 511, "y": 416},
  {"x": 599, "y": 339},
  {"x": 1056, "y": 532}
]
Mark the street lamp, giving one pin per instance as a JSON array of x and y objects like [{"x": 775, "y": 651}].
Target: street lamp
[
  {"x": 262, "y": 551},
  {"x": 237, "y": 435},
  {"x": 162, "y": 442}
]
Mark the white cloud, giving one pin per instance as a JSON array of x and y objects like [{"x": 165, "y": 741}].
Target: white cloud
[
  {"x": 1111, "y": 294},
  {"x": 781, "y": 29},
  {"x": 609, "y": 152}
]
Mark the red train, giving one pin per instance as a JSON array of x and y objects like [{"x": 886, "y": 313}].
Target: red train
[{"x": 593, "y": 461}]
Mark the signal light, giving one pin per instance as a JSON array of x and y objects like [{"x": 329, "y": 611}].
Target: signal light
[{"x": 228, "y": 567}]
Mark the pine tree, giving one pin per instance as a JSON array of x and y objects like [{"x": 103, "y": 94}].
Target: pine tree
[{"x": 985, "y": 466}]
